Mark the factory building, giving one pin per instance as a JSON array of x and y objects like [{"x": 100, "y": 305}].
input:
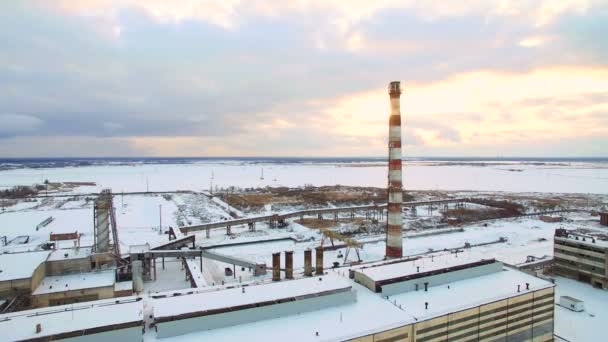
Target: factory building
[
  {"x": 442, "y": 297},
  {"x": 431, "y": 298},
  {"x": 103, "y": 320},
  {"x": 581, "y": 257},
  {"x": 62, "y": 276},
  {"x": 604, "y": 218}
]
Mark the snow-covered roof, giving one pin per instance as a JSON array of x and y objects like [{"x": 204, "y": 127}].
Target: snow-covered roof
[
  {"x": 20, "y": 265},
  {"x": 75, "y": 281},
  {"x": 589, "y": 325},
  {"x": 70, "y": 253},
  {"x": 385, "y": 271},
  {"x": 371, "y": 313},
  {"x": 123, "y": 286},
  {"x": 62, "y": 319},
  {"x": 588, "y": 240},
  {"x": 468, "y": 293},
  {"x": 231, "y": 297}
]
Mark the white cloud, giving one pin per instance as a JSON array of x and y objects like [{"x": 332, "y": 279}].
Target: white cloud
[
  {"x": 531, "y": 42},
  {"x": 18, "y": 123},
  {"x": 346, "y": 14}
]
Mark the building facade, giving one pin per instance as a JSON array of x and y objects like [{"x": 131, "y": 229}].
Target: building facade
[
  {"x": 581, "y": 257},
  {"x": 527, "y": 317},
  {"x": 604, "y": 218}
]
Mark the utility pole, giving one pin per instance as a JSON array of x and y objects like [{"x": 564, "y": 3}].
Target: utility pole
[{"x": 160, "y": 219}]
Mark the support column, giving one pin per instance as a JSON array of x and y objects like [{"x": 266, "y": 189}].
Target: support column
[
  {"x": 319, "y": 261},
  {"x": 276, "y": 266},
  {"x": 308, "y": 263},
  {"x": 288, "y": 264}
]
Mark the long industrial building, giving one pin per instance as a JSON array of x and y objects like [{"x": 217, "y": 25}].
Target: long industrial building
[{"x": 440, "y": 297}]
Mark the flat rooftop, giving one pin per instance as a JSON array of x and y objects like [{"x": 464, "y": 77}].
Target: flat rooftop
[
  {"x": 20, "y": 265},
  {"x": 65, "y": 319},
  {"x": 70, "y": 253},
  {"x": 468, "y": 293},
  {"x": 588, "y": 240},
  {"x": 213, "y": 300},
  {"x": 379, "y": 272},
  {"x": 76, "y": 281},
  {"x": 354, "y": 319}
]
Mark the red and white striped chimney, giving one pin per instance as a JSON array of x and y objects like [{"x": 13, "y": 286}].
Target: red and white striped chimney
[{"x": 394, "y": 241}]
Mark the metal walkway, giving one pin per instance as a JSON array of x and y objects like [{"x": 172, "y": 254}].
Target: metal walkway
[{"x": 277, "y": 219}]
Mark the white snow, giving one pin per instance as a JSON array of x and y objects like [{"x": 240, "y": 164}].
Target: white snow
[
  {"x": 123, "y": 286},
  {"x": 229, "y": 297},
  {"x": 371, "y": 313},
  {"x": 589, "y": 325},
  {"x": 172, "y": 277},
  {"x": 77, "y": 281},
  {"x": 467, "y": 293},
  {"x": 549, "y": 177},
  {"x": 67, "y": 318},
  {"x": 196, "y": 272},
  {"x": 70, "y": 253},
  {"x": 425, "y": 264},
  {"x": 20, "y": 265}
]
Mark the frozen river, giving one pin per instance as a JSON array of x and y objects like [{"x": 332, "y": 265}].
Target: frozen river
[{"x": 581, "y": 177}]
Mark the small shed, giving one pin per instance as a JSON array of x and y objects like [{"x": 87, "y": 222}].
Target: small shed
[
  {"x": 550, "y": 218},
  {"x": 572, "y": 303}
]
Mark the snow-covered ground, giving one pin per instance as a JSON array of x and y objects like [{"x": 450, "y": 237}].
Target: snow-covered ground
[
  {"x": 138, "y": 218},
  {"x": 585, "y": 326},
  {"x": 546, "y": 177},
  {"x": 525, "y": 236}
]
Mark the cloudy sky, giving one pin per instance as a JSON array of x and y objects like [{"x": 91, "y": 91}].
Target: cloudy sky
[{"x": 302, "y": 77}]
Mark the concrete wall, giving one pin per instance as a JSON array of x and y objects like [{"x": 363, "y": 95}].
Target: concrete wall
[
  {"x": 75, "y": 296},
  {"x": 184, "y": 326},
  {"x": 364, "y": 280},
  {"x": 9, "y": 287},
  {"x": 440, "y": 279},
  {"x": 122, "y": 335},
  {"x": 59, "y": 267},
  {"x": 37, "y": 276}
]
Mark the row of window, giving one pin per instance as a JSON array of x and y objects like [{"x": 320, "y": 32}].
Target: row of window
[
  {"x": 481, "y": 315},
  {"x": 547, "y": 312},
  {"x": 579, "y": 246},
  {"x": 579, "y": 255},
  {"x": 578, "y": 266},
  {"x": 521, "y": 325}
]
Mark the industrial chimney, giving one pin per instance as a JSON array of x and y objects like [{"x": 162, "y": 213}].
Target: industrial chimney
[{"x": 394, "y": 241}]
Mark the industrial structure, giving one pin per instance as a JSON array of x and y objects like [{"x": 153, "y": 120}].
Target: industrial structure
[
  {"x": 429, "y": 298},
  {"x": 582, "y": 257},
  {"x": 604, "y": 218},
  {"x": 433, "y": 296},
  {"x": 104, "y": 223},
  {"x": 394, "y": 223}
]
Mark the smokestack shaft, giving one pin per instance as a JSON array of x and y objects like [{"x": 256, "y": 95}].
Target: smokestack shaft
[
  {"x": 319, "y": 261},
  {"x": 394, "y": 241},
  {"x": 308, "y": 263},
  {"x": 276, "y": 266},
  {"x": 289, "y": 265}
]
